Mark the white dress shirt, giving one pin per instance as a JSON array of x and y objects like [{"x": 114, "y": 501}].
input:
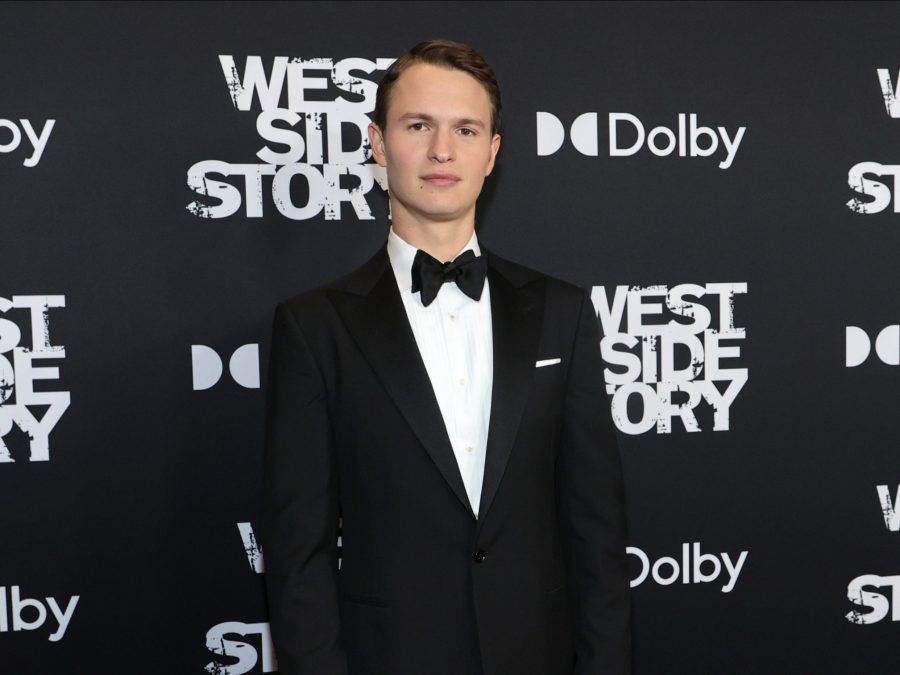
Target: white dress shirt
[{"x": 455, "y": 340}]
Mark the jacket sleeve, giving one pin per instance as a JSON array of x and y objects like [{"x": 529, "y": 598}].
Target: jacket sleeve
[
  {"x": 300, "y": 509},
  {"x": 592, "y": 511}
]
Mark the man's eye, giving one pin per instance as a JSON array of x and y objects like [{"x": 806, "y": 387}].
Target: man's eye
[
  {"x": 466, "y": 131},
  {"x": 417, "y": 126}
]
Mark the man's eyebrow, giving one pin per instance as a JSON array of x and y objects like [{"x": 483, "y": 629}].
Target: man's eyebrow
[
  {"x": 417, "y": 116},
  {"x": 464, "y": 121},
  {"x": 470, "y": 122}
]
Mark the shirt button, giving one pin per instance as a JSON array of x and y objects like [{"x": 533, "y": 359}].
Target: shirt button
[
  {"x": 462, "y": 382},
  {"x": 468, "y": 448},
  {"x": 479, "y": 556},
  {"x": 453, "y": 317}
]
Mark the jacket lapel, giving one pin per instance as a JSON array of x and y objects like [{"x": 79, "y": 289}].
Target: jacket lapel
[
  {"x": 517, "y": 311},
  {"x": 369, "y": 303}
]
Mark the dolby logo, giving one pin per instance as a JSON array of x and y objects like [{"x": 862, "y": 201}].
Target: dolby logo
[
  {"x": 34, "y": 142},
  {"x": 693, "y": 567},
  {"x": 627, "y": 135},
  {"x": 859, "y": 346},
  {"x": 207, "y": 367},
  {"x": 19, "y": 613}
]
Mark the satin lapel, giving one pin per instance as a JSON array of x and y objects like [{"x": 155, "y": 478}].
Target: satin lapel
[
  {"x": 375, "y": 317},
  {"x": 516, "y": 317}
]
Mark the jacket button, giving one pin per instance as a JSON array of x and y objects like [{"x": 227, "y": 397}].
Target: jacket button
[{"x": 479, "y": 556}]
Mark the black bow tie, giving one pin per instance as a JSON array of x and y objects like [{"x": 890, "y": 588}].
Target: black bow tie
[{"x": 467, "y": 270}]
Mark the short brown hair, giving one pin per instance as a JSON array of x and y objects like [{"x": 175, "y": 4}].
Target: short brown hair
[{"x": 448, "y": 54}]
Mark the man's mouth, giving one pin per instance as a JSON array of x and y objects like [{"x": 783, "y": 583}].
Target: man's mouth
[{"x": 441, "y": 179}]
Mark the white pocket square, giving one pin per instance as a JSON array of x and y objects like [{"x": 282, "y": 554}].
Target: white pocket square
[{"x": 546, "y": 362}]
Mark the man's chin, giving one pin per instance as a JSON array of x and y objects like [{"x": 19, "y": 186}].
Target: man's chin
[{"x": 433, "y": 212}]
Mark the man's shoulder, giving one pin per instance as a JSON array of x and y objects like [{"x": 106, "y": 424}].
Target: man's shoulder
[{"x": 520, "y": 275}]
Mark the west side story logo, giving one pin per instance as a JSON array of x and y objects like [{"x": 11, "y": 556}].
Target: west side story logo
[
  {"x": 19, "y": 370},
  {"x": 863, "y": 590},
  {"x": 313, "y": 118},
  {"x": 670, "y": 352},
  {"x": 876, "y": 195},
  {"x": 237, "y": 639}
]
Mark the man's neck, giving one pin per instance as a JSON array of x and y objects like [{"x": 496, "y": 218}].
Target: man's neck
[{"x": 441, "y": 240}]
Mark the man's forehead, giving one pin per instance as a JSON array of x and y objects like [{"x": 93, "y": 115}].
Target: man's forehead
[{"x": 437, "y": 91}]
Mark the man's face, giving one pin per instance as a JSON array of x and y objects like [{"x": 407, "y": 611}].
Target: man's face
[{"x": 437, "y": 144}]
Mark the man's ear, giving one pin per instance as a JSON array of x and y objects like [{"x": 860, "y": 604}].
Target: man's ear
[
  {"x": 495, "y": 148},
  {"x": 376, "y": 140}
]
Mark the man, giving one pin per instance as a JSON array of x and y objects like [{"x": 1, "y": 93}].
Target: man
[{"x": 453, "y": 416}]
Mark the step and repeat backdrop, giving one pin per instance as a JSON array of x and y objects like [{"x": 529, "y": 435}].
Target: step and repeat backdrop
[{"x": 723, "y": 177}]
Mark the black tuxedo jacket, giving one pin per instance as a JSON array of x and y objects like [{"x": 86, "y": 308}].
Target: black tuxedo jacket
[{"x": 536, "y": 585}]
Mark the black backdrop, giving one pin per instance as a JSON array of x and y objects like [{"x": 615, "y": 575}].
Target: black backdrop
[{"x": 150, "y": 470}]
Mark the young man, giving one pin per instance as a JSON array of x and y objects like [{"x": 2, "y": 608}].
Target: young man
[{"x": 453, "y": 416}]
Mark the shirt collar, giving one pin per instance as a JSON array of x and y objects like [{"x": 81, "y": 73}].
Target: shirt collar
[{"x": 402, "y": 254}]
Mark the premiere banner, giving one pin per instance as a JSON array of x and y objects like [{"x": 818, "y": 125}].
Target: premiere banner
[{"x": 723, "y": 178}]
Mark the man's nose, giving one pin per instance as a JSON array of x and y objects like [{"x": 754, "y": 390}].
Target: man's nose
[{"x": 441, "y": 149}]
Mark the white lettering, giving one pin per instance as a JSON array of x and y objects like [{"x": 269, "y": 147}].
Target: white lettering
[
  {"x": 38, "y": 141},
  {"x": 663, "y": 380},
  {"x": 666, "y": 570},
  {"x": 889, "y": 92},
  {"x": 876, "y": 602},
  {"x": 890, "y": 508},
  {"x": 252, "y": 547},
  {"x": 62, "y": 618},
  {"x": 17, "y": 611},
  {"x": 614, "y": 149},
  {"x": 245, "y": 652}
]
